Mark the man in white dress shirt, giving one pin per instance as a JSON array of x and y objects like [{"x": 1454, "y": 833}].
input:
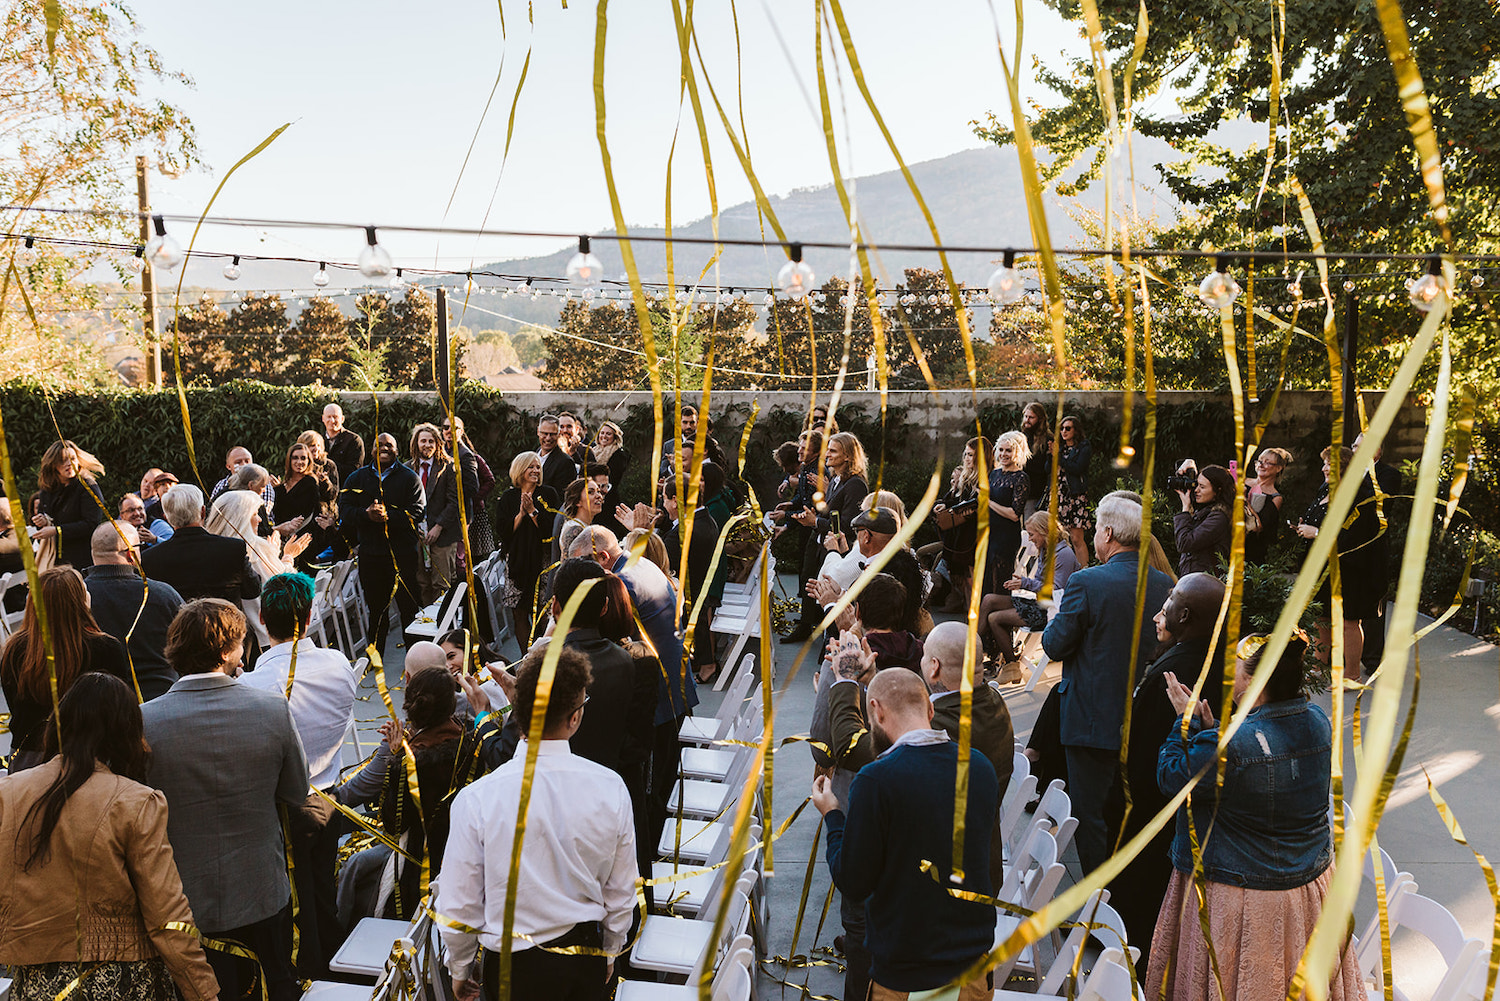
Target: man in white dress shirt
[
  {"x": 577, "y": 870},
  {"x": 321, "y": 701}
]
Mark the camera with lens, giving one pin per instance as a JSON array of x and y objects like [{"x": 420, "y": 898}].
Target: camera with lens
[{"x": 1184, "y": 479}]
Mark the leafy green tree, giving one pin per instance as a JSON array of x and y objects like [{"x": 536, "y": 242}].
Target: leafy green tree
[
  {"x": 206, "y": 354},
  {"x": 75, "y": 115},
  {"x": 254, "y": 336},
  {"x": 529, "y": 347},
  {"x": 316, "y": 349}
]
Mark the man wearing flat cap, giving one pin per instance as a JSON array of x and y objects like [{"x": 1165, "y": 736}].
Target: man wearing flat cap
[{"x": 874, "y": 529}]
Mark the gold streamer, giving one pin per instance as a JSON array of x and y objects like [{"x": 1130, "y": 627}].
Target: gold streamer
[{"x": 1457, "y": 834}]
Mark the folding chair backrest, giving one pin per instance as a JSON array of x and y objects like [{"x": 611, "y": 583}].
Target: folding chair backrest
[
  {"x": 1013, "y": 806},
  {"x": 1437, "y": 924},
  {"x": 1038, "y": 853},
  {"x": 738, "y": 689},
  {"x": 1078, "y": 935},
  {"x": 732, "y": 980},
  {"x": 734, "y": 920},
  {"x": 1109, "y": 981},
  {"x": 1055, "y": 814}
]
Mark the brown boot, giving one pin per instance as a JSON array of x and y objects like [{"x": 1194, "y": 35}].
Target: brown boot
[{"x": 1011, "y": 674}]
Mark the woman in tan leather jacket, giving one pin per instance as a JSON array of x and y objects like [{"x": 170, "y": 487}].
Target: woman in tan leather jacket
[{"x": 88, "y": 887}]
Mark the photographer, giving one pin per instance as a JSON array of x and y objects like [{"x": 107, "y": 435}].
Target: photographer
[
  {"x": 1202, "y": 526},
  {"x": 951, "y": 560}
]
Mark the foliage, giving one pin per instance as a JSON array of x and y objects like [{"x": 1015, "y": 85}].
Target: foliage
[
  {"x": 132, "y": 430},
  {"x": 74, "y": 119}
]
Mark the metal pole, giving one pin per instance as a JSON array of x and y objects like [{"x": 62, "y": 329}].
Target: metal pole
[
  {"x": 1351, "y": 349},
  {"x": 148, "y": 283},
  {"x": 440, "y": 366}
]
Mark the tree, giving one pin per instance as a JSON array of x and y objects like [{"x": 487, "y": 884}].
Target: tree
[
  {"x": 74, "y": 117},
  {"x": 924, "y": 309},
  {"x": 316, "y": 349},
  {"x": 254, "y": 336},
  {"x": 1342, "y": 134},
  {"x": 206, "y": 355},
  {"x": 530, "y": 349}
]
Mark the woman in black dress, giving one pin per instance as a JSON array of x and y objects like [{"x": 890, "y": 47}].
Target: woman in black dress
[
  {"x": 78, "y": 645},
  {"x": 1009, "y": 487},
  {"x": 307, "y": 504},
  {"x": 524, "y": 532},
  {"x": 1362, "y": 580},
  {"x": 1074, "y": 453},
  {"x": 956, "y": 514},
  {"x": 69, "y": 512}
]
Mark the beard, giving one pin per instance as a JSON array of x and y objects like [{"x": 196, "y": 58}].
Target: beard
[{"x": 879, "y": 738}]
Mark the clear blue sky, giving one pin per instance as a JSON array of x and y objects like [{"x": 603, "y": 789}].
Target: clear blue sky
[{"x": 384, "y": 99}]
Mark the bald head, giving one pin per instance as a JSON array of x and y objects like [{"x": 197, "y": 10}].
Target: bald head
[
  {"x": 113, "y": 542},
  {"x": 595, "y": 543},
  {"x": 424, "y": 654},
  {"x": 898, "y": 705},
  {"x": 943, "y": 656},
  {"x": 1191, "y": 608}
]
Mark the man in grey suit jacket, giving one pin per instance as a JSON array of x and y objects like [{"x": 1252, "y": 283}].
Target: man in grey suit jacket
[
  {"x": 226, "y": 755},
  {"x": 1091, "y": 634}
]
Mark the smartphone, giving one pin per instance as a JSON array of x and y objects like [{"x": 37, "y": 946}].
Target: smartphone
[{"x": 833, "y": 523}]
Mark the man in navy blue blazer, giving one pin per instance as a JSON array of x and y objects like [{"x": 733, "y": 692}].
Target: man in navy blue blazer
[{"x": 1092, "y": 635}]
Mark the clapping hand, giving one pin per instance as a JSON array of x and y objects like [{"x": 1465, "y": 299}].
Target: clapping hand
[
  {"x": 853, "y": 660},
  {"x": 807, "y": 517},
  {"x": 825, "y": 590},
  {"x": 1181, "y": 697},
  {"x": 294, "y": 548}
]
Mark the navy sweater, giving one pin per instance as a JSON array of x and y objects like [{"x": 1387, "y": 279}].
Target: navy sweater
[{"x": 900, "y": 814}]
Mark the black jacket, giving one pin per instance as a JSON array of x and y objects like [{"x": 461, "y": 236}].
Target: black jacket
[
  {"x": 347, "y": 450},
  {"x": 843, "y": 500},
  {"x": 442, "y": 497},
  {"x": 700, "y": 549},
  {"x": 401, "y": 491},
  {"x": 558, "y": 470},
  {"x": 76, "y": 515},
  {"x": 116, "y": 592},
  {"x": 199, "y": 564}
]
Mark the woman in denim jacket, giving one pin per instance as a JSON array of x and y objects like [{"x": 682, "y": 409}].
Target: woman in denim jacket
[{"x": 1266, "y": 842}]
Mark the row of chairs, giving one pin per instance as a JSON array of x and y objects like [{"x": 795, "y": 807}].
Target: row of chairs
[
  {"x": 1465, "y": 959},
  {"x": 677, "y": 938}
]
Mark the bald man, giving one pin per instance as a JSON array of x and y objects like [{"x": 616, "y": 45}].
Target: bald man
[
  {"x": 1185, "y": 631},
  {"x": 345, "y": 448},
  {"x": 918, "y": 937}
]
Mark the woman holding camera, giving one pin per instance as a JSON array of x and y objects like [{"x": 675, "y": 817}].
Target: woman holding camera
[
  {"x": 956, "y": 516},
  {"x": 1202, "y": 526}
]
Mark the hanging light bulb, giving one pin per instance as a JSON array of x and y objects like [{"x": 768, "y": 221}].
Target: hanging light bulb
[
  {"x": 1477, "y": 281},
  {"x": 767, "y": 299},
  {"x": 161, "y": 250},
  {"x": 28, "y": 252},
  {"x": 138, "y": 260},
  {"x": 1219, "y": 289},
  {"x": 397, "y": 280},
  {"x": 321, "y": 278},
  {"x": 374, "y": 260},
  {"x": 1425, "y": 292},
  {"x": 1005, "y": 283},
  {"x": 1348, "y": 286},
  {"x": 232, "y": 269},
  {"x": 584, "y": 267},
  {"x": 795, "y": 278}
]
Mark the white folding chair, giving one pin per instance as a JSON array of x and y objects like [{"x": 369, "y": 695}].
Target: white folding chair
[
  {"x": 685, "y": 946},
  {"x": 1055, "y": 813},
  {"x": 352, "y": 612},
  {"x": 368, "y": 946},
  {"x": 1431, "y": 920},
  {"x": 1030, "y": 883},
  {"x": 709, "y": 798},
  {"x": 428, "y": 626},
  {"x": 1112, "y": 936},
  {"x": 732, "y": 980},
  {"x": 704, "y": 730},
  {"x": 714, "y": 763},
  {"x": 1017, "y": 794},
  {"x": 12, "y": 582}
]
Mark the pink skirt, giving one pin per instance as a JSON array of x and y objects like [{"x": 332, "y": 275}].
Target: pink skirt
[{"x": 1258, "y": 938}]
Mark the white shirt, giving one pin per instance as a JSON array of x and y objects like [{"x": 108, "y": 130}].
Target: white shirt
[
  {"x": 577, "y": 861},
  {"x": 322, "y": 702},
  {"x": 845, "y": 569}
]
